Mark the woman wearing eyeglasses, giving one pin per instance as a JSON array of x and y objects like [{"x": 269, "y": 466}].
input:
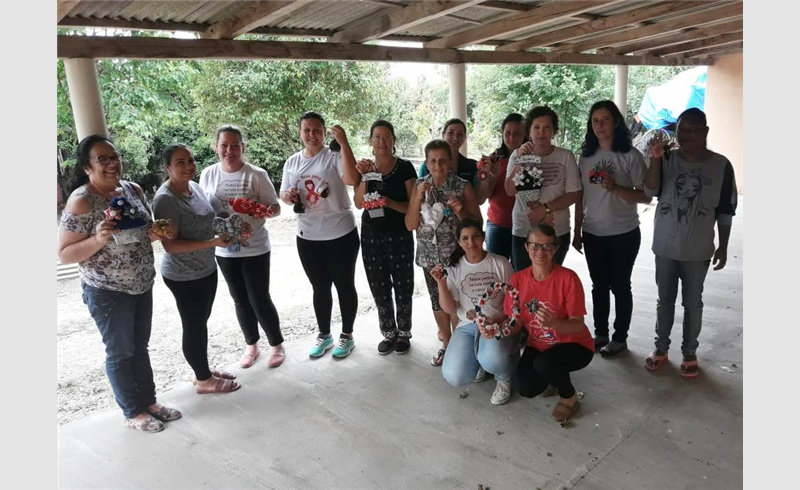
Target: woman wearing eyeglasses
[
  {"x": 552, "y": 310},
  {"x": 117, "y": 278},
  {"x": 387, "y": 247}
]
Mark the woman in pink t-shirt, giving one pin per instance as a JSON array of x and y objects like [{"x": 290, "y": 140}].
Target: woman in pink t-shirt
[
  {"x": 552, "y": 311},
  {"x": 498, "y": 226}
]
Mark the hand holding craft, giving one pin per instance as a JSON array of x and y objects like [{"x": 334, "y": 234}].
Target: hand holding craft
[
  {"x": 365, "y": 166},
  {"x": 546, "y": 318},
  {"x": 439, "y": 273},
  {"x": 455, "y": 204},
  {"x": 105, "y": 230},
  {"x": 526, "y": 149},
  {"x": 339, "y": 134},
  {"x": 497, "y": 330}
]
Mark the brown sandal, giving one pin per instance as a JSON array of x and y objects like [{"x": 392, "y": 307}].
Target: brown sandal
[
  {"x": 563, "y": 412},
  {"x": 150, "y": 424},
  {"x": 165, "y": 414},
  {"x": 222, "y": 385}
]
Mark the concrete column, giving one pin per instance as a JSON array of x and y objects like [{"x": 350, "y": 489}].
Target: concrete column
[
  {"x": 621, "y": 89},
  {"x": 84, "y": 94},
  {"x": 458, "y": 95}
]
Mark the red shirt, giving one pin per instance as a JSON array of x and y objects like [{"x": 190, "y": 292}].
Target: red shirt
[
  {"x": 500, "y": 203},
  {"x": 562, "y": 294}
]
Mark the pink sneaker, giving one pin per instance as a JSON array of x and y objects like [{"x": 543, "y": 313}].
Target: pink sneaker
[{"x": 277, "y": 356}]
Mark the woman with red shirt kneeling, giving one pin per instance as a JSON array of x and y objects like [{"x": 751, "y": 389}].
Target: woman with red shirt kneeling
[{"x": 558, "y": 340}]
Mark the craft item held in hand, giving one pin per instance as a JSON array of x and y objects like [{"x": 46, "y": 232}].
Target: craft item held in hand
[
  {"x": 600, "y": 172},
  {"x": 161, "y": 227},
  {"x": 504, "y": 329},
  {"x": 128, "y": 218},
  {"x": 234, "y": 227},
  {"x": 249, "y": 207},
  {"x": 374, "y": 204}
]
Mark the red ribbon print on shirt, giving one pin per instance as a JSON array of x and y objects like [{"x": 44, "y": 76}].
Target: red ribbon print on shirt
[{"x": 312, "y": 196}]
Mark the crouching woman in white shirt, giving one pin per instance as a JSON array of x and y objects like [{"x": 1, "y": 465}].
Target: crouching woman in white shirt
[{"x": 473, "y": 351}]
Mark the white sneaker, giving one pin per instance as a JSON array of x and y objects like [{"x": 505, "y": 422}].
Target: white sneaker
[
  {"x": 502, "y": 392},
  {"x": 480, "y": 376}
]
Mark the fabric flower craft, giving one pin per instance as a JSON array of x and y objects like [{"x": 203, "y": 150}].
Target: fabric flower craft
[
  {"x": 601, "y": 171},
  {"x": 161, "y": 227},
  {"x": 505, "y": 328},
  {"x": 250, "y": 208},
  {"x": 235, "y": 227}
]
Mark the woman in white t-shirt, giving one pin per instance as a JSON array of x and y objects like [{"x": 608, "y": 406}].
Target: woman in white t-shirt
[
  {"x": 546, "y": 198},
  {"x": 472, "y": 350},
  {"x": 314, "y": 182},
  {"x": 246, "y": 265},
  {"x": 607, "y": 221}
]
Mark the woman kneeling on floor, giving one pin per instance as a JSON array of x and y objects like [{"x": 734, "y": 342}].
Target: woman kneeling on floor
[
  {"x": 473, "y": 350},
  {"x": 558, "y": 340}
]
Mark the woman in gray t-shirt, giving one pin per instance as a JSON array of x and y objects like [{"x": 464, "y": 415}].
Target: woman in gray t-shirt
[
  {"x": 188, "y": 268},
  {"x": 607, "y": 220}
]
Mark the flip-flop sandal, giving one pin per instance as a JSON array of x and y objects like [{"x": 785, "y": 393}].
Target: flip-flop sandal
[
  {"x": 655, "y": 361},
  {"x": 219, "y": 374},
  {"x": 221, "y": 386},
  {"x": 248, "y": 360},
  {"x": 690, "y": 369},
  {"x": 150, "y": 425},
  {"x": 166, "y": 414}
]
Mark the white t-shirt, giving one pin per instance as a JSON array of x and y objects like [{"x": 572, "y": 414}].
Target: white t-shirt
[
  {"x": 325, "y": 218},
  {"x": 561, "y": 175},
  {"x": 249, "y": 182},
  {"x": 606, "y": 214},
  {"x": 468, "y": 282}
]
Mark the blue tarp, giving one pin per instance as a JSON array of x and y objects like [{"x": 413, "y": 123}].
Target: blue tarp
[{"x": 662, "y": 105}]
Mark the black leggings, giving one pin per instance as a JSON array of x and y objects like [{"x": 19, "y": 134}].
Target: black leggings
[
  {"x": 538, "y": 369},
  {"x": 610, "y": 260},
  {"x": 194, "y": 300},
  {"x": 248, "y": 283},
  {"x": 389, "y": 263},
  {"x": 519, "y": 254},
  {"x": 329, "y": 262}
]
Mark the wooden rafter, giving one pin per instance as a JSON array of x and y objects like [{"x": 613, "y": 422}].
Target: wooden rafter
[
  {"x": 684, "y": 36},
  {"x": 400, "y": 20},
  {"x": 611, "y": 22},
  {"x": 703, "y": 43},
  {"x": 65, "y": 7},
  {"x": 167, "y": 48},
  {"x": 250, "y": 16},
  {"x": 713, "y": 51},
  {"x": 716, "y": 13},
  {"x": 520, "y": 22}
]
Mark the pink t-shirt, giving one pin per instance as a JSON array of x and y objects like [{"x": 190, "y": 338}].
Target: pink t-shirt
[
  {"x": 562, "y": 294},
  {"x": 500, "y": 203}
]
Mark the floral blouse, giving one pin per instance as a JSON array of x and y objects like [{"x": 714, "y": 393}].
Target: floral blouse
[
  {"x": 124, "y": 268},
  {"x": 436, "y": 244}
]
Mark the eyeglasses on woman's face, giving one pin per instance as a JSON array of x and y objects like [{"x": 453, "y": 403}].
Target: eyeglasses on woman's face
[
  {"x": 546, "y": 247},
  {"x": 106, "y": 160}
]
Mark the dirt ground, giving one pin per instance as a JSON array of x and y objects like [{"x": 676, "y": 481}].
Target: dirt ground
[{"x": 82, "y": 384}]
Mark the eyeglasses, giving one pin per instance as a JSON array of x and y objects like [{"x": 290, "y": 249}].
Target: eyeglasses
[
  {"x": 547, "y": 247},
  {"x": 105, "y": 161},
  {"x": 384, "y": 139}
]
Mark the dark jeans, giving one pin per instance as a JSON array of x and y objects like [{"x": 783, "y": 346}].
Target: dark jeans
[
  {"x": 521, "y": 260},
  {"x": 498, "y": 239},
  {"x": 124, "y": 321},
  {"x": 610, "y": 260},
  {"x": 538, "y": 369},
  {"x": 194, "y": 300},
  {"x": 248, "y": 283},
  {"x": 389, "y": 263},
  {"x": 332, "y": 262}
]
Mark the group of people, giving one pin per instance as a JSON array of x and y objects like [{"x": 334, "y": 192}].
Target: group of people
[{"x": 509, "y": 309}]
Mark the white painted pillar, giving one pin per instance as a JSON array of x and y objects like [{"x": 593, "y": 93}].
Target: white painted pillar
[
  {"x": 84, "y": 94},
  {"x": 458, "y": 95},
  {"x": 621, "y": 89}
]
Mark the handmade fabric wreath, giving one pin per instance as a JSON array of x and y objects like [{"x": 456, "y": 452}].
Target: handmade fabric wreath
[
  {"x": 233, "y": 226},
  {"x": 250, "y": 207},
  {"x": 161, "y": 227},
  {"x": 498, "y": 330}
]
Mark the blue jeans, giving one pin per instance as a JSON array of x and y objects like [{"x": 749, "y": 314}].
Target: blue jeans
[
  {"x": 498, "y": 239},
  {"x": 124, "y": 322},
  {"x": 468, "y": 351},
  {"x": 692, "y": 275}
]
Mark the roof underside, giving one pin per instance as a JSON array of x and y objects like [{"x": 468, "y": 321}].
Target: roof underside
[{"x": 682, "y": 32}]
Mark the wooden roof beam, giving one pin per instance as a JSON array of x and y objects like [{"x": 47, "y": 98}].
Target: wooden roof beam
[
  {"x": 719, "y": 11},
  {"x": 539, "y": 15},
  {"x": 251, "y": 16},
  {"x": 400, "y": 20},
  {"x": 600, "y": 25},
  {"x": 228, "y": 49},
  {"x": 712, "y": 51},
  {"x": 691, "y": 34},
  {"x": 703, "y": 43},
  {"x": 65, "y": 7}
]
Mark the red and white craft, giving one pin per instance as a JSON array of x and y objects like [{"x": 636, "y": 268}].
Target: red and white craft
[{"x": 504, "y": 329}]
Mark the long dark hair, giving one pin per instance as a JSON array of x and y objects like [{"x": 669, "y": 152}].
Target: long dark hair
[
  {"x": 166, "y": 157},
  {"x": 79, "y": 175},
  {"x": 503, "y": 151},
  {"x": 462, "y": 225},
  {"x": 622, "y": 135}
]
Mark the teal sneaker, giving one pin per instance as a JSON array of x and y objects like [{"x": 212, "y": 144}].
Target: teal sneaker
[
  {"x": 322, "y": 345},
  {"x": 344, "y": 347}
]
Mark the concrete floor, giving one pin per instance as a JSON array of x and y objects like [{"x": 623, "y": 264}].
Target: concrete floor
[{"x": 372, "y": 421}]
